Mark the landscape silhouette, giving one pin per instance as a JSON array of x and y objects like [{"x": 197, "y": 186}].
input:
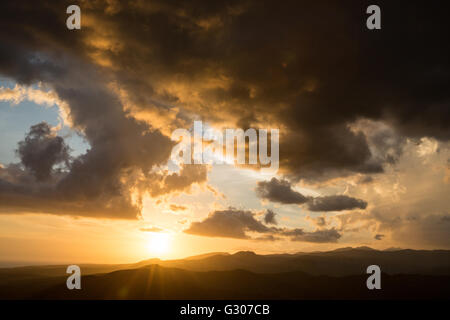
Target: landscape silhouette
[{"x": 338, "y": 274}]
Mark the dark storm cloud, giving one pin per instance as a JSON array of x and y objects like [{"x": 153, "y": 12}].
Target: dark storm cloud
[
  {"x": 311, "y": 68},
  {"x": 122, "y": 149},
  {"x": 335, "y": 203},
  {"x": 279, "y": 191},
  {"x": 315, "y": 61},
  {"x": 99, "y": 181},
  {"x": 239, "y": 224},
  {"x": 41, "y": 151}
]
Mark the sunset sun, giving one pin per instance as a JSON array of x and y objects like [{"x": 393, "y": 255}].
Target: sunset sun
[{"x": 159, "y": 243}]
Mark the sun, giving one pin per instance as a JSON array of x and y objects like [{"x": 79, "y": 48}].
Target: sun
[{"x": 159, "y": 243}]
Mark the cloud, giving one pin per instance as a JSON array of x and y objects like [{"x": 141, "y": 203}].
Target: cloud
[
  {"x": 279, "y": 191},
  {"x": 269, "y": 217},
  {"x": 98, "y": 183},
  {"x": 229, "y": 223},
  {"x": 365, "y": 180},
  {"x": 379, "y": 236},
  {"x": 318, "y": 236},
  {"x": 335, "y": 203},
  {"x": 161, "y": 183},
  {"x": 38, "y": 95},
  {"x": 427, "y": 230},
  {"x": 42, "y": 150},
  {"x": 126, "y": 83},
  {"x": 239, "y": 224},
  {"x": 408, "y": 213},
  {"x": 106, "y": 181},
  {"x": 178, "y": 54},
  {"x": 201, "y": 61},
  {"x": 318, "y": 221},
  {"x": 188, "y": 175},
  {"x": 175, "y": 207}
]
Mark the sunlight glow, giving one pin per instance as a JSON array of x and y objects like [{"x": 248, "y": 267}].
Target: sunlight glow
[{"x": 159, "y": 243}]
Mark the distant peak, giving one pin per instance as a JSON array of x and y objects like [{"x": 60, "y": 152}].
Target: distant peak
[
  {"x": 342, "y": 249},
  {"x": 365, "y": 248},
  {"x": 362, "y": 248},
  {"x": 207, "y": 255},
  {"x": 245, "y": 253}
]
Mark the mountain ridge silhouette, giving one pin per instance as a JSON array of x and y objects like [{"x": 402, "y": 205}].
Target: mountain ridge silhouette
[{"x": 337, "y": 274}]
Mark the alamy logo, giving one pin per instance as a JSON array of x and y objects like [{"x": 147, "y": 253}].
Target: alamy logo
[
  {"x": 205, "y": 145},
  {"x": 374, "y": 281},
  {"x": 74, "y": 20},
  {"x": 374, "y": 20},
  {"x": 74, "y": 280}
]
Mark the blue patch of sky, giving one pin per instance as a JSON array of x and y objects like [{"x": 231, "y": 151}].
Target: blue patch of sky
[{"x": 16, "y": 120}]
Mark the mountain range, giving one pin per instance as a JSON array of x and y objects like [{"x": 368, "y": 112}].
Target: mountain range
[{"x": 338, "y": 274}]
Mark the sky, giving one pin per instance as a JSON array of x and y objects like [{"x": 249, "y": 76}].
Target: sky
[{"x": 86, "y": 118}]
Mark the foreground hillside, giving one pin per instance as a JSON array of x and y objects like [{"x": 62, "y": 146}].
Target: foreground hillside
[{"x": 155, "y": 282}]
